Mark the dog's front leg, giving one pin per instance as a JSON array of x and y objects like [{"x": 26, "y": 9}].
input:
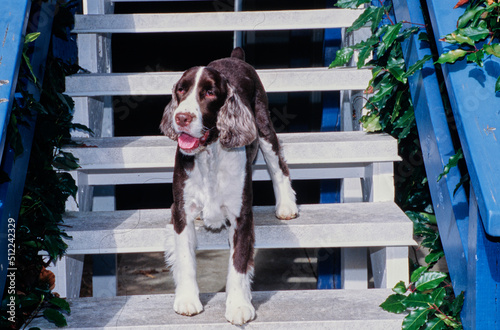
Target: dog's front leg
[
  {"x": 239, "y": 308},
  {"x": 182, "y": 254},
  {"x": 187, "y": 301}
]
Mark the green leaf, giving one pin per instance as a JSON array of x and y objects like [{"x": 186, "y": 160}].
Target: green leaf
[
  {"x": 497, "y": 85},
  {"x": 55, "y": 317},
  {"x": 30, "y": 37},
  {"x": 452, "y": 56},
  {"x": 417, "y": 66},
  {"x": 457, "y": 304},
  {"x": 430, "y": 280},
  {"x": 452, "y": 162},
  {"x": 435, "y": 324},
  {"x": 61, "y": 303},
  {"x": 351, "y": 3},
  {"x": 396, "y": 68},
  {"x": 458, "y": 38},
  {"x": 416, "y": 299},
  {"x": 389, "y": 37},
  {"x": 434, "y": 257},
  {"x": 493, "y": 49},
  {"x": 371, "y": 123},
  {"x": 468, "y": 16},
  {"x": 29, "y": 300},
  {"x": 30, "y": 67},
  {"x": 449, "y": 321},
  {"x": 394, "y": 304},
  {"x": 342, "y": 56},
  {"x": 373, "y": 14},
  {"x": 476, "y": 57},
  {"x": 415, "y": 319},
  {"x": 400, "y": 287},
  {"x": 438, "y": 296},
  {"x": 475, "y": 33},
  {"x": 418, "y": 272},
  {"x": 363, "y": 55},
  {"x": 423, "y": 36}
]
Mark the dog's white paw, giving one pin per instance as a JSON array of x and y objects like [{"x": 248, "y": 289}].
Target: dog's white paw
[
  {"x": 187, "y": 305},
  {"x": 287, "y": 210},
  {"x": 240, "y": 314}
]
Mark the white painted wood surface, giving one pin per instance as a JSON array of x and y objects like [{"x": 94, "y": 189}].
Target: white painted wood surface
[
  {"x": 161, "y": 83},
  {"x": 217, "y": 21}
]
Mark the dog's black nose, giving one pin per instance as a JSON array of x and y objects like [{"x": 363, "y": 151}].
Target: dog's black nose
[{"x": 183, "y": 119}]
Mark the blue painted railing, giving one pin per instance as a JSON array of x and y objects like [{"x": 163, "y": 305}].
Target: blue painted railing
[
  {"x": 14, "y": 22},
  {"x": 469, "y": 227}
]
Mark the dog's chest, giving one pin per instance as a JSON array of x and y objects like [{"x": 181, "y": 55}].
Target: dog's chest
[{"x": 215, "y": 185}]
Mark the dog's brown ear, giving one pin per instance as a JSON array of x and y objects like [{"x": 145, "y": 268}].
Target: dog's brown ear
[
  {"x": 235, "y": 122},
  {"x": 168, "y": 117}
]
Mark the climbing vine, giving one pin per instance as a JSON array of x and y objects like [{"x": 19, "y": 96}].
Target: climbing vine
[
  {"x": 40, "y": 223},
  {"x": 429, "y": 297}
]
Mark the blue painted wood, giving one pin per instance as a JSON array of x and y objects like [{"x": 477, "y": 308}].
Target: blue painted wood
[
  {"x": 11, "y": 192},
  {"x": 13, "y": 21},
  {"x": 476, "y": 110},
  {"x": 329, "y": 276},
  {"x": 482, "y": 307},
  {"x": 435, "y": 139}
]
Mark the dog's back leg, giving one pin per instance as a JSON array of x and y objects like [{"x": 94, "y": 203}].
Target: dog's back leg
[{"x": 286, "y": 207}]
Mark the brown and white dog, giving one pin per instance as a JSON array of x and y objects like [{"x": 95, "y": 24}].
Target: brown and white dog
[{"x": 219, "y": 116}]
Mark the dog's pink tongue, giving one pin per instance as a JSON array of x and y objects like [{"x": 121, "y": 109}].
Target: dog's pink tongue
[{"x": 187, "y": 141}]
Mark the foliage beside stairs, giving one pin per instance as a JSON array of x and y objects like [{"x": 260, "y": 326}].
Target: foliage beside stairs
[{"x": 48, "y": 185}]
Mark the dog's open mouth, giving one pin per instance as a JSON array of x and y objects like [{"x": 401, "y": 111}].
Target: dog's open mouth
[{"x": 190, "y": 143}]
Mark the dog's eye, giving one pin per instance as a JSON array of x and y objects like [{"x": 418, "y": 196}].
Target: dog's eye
[
  {"x": 209, "y": 93},
  {"x": 181, "y": 90}
]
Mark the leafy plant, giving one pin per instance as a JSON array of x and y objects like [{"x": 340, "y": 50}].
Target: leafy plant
[
  {"x": 39, "y": 226},
  {"x": 389, "y": 108},
  {"x": 477, "y": 34},
  {"x": 429, "y": 297}
]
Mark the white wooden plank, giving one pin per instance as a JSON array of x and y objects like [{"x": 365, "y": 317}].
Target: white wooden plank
[
  {"x": 290, "y": 310},
  {"x": 274, "y": 80},
  {"x": 217, "y": 21},
  {"x": 319, "y": 225},
  {"x": 299, "y": 149}
]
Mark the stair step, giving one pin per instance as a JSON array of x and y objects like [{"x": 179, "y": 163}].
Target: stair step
[
  {"x": 319, "y": 225},
  {"x": 217, "y": 21},
  {"x": 274, "y": 80},
  {"x": 150, "y": 159},
  {"x": 307, "y": 309}
]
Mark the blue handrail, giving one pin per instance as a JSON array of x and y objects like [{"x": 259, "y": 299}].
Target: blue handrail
[{"x": 466, "y": 225}]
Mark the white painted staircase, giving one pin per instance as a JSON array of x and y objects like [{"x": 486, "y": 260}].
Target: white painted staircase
[{"x": 373, "y": 227}]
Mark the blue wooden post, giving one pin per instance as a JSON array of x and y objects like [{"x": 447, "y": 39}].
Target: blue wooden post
[
  {"x": 481, "y": 308},
  {"x": 329, "y": 259}
]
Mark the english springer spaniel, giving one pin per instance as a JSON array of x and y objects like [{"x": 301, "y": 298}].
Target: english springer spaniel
[{"x": 219, "y": 116}]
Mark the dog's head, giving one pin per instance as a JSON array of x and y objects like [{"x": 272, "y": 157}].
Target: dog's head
[{"x": 204, "y": 108}]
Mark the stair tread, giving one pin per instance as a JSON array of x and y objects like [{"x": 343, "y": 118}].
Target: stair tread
[
  {"x": 217, "y": 21},
  {"x": 274, "y": 80},
  {"x": 298, "y": 148},
  {"x": 307, "y": 309},
  {"x": 319, "y": 225}
]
